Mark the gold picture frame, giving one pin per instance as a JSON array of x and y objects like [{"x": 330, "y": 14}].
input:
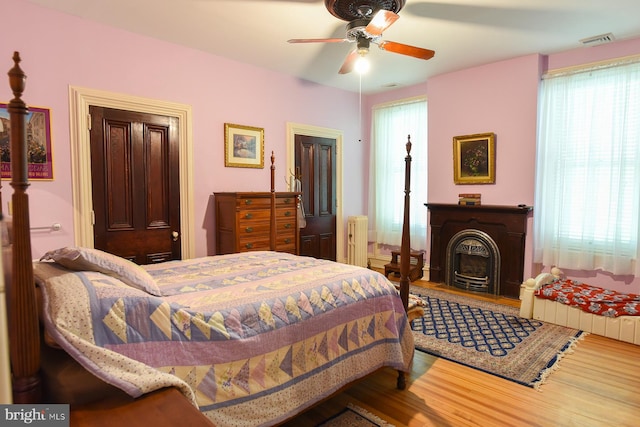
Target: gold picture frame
[
  {"x": 474, "y": 159},
  {"x": 243, "y": 146}
]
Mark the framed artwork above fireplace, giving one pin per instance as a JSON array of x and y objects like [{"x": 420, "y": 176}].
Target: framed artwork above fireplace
[{"x": 474, "y": 159}]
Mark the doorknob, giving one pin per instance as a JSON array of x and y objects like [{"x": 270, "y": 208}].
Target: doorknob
[{"x": 175, "y": 235}]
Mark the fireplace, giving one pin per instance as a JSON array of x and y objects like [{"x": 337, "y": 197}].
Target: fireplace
[
  {"x": 473, "y": 262},
  {"x": 462, "y": 233}
]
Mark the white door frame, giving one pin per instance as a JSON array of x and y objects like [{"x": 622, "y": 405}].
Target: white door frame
[
  {"x": 79, "y": 101},
  {"x": 294, "y": 129}
]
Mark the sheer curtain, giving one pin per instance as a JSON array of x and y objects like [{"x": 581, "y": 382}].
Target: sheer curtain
[
  {"x": 391, "y": 126},
  {"x": 588, "y": 171}
]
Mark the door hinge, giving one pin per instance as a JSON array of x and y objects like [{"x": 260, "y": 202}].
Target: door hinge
[
  {"x": 89, "y": 121},
  {"x": 93, "y": 218}
]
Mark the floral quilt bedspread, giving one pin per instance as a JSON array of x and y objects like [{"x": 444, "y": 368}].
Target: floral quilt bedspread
[
  {"x": 603, "y": 302},
  {"x": 251, "y": 339}
]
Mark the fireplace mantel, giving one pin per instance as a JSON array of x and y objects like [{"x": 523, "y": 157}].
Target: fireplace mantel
[{"x": 507, "y": 226}]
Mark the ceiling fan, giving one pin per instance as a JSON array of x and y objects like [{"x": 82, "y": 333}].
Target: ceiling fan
[{"x": 367, "y": 20}]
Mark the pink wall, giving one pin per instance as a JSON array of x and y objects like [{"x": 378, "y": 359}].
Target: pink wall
[
  {"x": 502, "y": 98},
  {"x": 60, "y": 50}
]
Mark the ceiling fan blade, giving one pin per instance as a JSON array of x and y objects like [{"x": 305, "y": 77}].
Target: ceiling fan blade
[
  {"x": 404, "y": 49},
  {"x": 380, "y": 22},
  {"x": 317, "y": 40},
  {"x": 349, "y": 62}
]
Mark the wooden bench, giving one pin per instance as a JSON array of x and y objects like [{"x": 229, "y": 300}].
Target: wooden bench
[{"x": 415, "y": 266}]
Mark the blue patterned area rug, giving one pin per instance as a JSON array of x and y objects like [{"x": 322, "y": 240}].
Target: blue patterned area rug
[{"x": 490, "y": 337}]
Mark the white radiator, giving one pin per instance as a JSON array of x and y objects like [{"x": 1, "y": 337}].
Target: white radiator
[
  {"x": 357, "y": 228},
  {"x": 622, "y": 328}
]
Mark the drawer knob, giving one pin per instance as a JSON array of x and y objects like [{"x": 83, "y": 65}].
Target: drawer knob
[
  {"x": 287, "y": 213},
  {"x": 287, "y": 225},
  {"x": 287, "y": 240},
  {"x": 248, "y": 215},
  {"x": 248, "y": 201},
  {"x": 249, "y": 245},
  {"x": 249, "y": 229}
]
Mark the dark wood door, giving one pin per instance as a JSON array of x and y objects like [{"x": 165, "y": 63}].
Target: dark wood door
[
  {"x": 136, "y": 185},
  {"x": 316, "y": 163}
]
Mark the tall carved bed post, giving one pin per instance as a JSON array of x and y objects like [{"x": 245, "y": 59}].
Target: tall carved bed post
[
  {"x": 405, "y": 245},
  {"x": 22, "y": 310},
  {"x": 272, "y": 223}
]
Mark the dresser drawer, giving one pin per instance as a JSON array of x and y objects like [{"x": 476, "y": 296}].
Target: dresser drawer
[
  {"x": 285, "y": 225},
  {"x": 286, "y": 201},
  {"x": 254, "y": 215},
  {"x": 285, "y": 245},
  {"x": 248, "y": 228},
  {"x": 286, "y": 214},
  {"x": 253, "y": 203},
  {"x": 255, "y": 242}
]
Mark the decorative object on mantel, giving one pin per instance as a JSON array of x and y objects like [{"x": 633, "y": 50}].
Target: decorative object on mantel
[
  {"x": 469, "y": 199},
  {"x": 474, "y": 159},
  {"x": 243, "y": 146},
  {"x": 39, "y": 155}
]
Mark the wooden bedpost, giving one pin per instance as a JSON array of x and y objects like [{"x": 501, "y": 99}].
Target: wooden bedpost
[
  {"x": 23, "y": 315},
  {"x": 405, "y": 246},
  {"x": 272, "y": 228}
]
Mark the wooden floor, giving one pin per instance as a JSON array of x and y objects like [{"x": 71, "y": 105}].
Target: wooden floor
[{"x": 596, "y": 385}]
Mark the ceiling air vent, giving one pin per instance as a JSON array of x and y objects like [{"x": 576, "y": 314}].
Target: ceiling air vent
[{"x": 596, "y": 40}]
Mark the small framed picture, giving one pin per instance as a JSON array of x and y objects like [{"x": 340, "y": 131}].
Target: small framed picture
[
  {"x": 39, "y": 152},
  {"x": 243, "y": 146},
  {"x": 474, "y": 159}
]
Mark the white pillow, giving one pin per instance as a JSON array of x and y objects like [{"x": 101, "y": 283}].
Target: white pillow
[
  {"x": 544, "y": 279},
  {"x": 86, "y": 259}
]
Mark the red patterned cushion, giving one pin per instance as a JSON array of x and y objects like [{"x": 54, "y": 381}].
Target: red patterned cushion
[{"x": 603, "y": 302}]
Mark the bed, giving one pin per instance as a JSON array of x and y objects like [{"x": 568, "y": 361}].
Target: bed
[
  {"x": 552, "y": 298},
  {"x": 250, "y": 339}
]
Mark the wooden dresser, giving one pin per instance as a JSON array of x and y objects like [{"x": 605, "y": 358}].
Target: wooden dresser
[{"x": 243, "y": 222}]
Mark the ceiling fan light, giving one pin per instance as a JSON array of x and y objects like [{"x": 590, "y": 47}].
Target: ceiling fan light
[{"x": 362, "y": 65}]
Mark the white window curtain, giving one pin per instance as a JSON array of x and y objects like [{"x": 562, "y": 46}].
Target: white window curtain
[
  {"x": 391, "y": 126},
  {"x": 588, "y": 171}
]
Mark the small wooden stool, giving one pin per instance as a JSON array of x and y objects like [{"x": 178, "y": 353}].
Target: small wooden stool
[{"x": 415, "y": 266}]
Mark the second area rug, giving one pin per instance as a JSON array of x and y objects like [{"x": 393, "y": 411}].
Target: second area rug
[
  {"x": 355, "y": 416},
  {"x": 490, "y": 337}
]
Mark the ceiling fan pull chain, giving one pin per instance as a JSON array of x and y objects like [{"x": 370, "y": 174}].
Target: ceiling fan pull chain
[{"x": 360, "y": 108}]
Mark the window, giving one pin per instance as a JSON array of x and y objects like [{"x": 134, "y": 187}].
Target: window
[
  {"x": 391, "y": 126},
  {"x": 588, "y": 170}
]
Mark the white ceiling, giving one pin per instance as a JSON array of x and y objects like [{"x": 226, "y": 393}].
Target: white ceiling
[{"x": 464, "y": 33}]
